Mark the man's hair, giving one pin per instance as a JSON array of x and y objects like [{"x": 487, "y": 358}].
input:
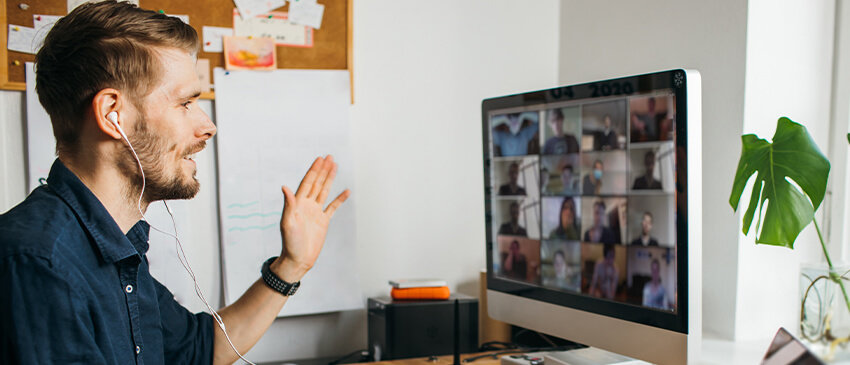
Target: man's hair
[
  {"x": 648, "y": 214},
  {"x": 102, "y": 45},
  {"x": 557, "y": 114}
]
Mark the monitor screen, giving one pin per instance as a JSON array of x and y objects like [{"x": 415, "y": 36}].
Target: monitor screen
[{"x": 585, "y": 197}]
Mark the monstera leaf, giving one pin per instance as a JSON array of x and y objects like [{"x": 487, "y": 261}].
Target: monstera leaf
[{"x": 783, "y": 209}]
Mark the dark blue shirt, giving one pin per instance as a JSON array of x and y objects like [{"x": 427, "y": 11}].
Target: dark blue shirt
[{"x": 75, "y": 290}]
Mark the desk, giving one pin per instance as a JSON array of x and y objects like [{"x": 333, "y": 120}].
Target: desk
[{"x": 440, "y": 360}]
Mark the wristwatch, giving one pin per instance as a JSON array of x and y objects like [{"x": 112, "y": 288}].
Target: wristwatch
[{"x": 276, "y": 283}]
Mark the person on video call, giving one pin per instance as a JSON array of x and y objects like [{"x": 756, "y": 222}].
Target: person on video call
[
  {"x": 512, "y": 227},
  {"x": 560, "y": 143},
  {"x": 120, "y": 82},
  {"x": 645, "y": 125},
  {"x": 512, "y": 187},
  {"x": 515, "y": 137},
  {"x": 514, "y": 264},
  {"x": 646, "y": 227},
  {"x": 603, "y": 283},
  {"x": 647, "y": 181},
  {"x": 565, "y": 276},
  {"x": 654, "y": 294},
  {"x": 569, "y": 185},
  {"x": 606, "y": 139},
  {"x": 592, "y": 184},
  {"x": 600, "y": 232},
  {"x": 567, "y": 224}
]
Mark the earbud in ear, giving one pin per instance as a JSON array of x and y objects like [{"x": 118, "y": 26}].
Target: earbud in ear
[{"x": 113, "y": 117}]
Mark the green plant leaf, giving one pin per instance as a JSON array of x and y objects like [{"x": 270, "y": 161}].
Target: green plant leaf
[{"x": 783, "y": 209}]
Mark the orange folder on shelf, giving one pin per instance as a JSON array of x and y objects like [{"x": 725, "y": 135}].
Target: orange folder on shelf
[{"x": 432, "y": 293}]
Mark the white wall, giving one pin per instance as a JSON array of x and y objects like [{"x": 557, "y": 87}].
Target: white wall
[
  {"x": 420, "y": 75},
  {"x": 603, "y": 39},
  {"x": 759, "y": 60},
  {"x": 789, "y": 73}
]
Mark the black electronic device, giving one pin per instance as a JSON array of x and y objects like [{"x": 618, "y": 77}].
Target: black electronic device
[{"x": 418, "y": 328}]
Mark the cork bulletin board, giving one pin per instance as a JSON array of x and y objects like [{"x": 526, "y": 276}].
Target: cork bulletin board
[{"x": 331, "y": 44}]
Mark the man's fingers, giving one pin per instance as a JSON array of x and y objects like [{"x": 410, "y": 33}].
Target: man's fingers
[
  {"x": 318, "y": 184},
  {"x": 307, "y": 182},
  {"x": 326, "y": 188},
  {"x": 337, "y": 202}
]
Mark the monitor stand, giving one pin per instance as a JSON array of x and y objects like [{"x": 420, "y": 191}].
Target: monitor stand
[
  {"x": 583, "y": 356},
  {"x": 588, "y": 356}
]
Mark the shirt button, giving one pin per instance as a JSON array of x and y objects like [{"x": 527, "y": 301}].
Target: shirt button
[
  {"x": 128, "y": 289},
  {"x": 138, "y": 350}
]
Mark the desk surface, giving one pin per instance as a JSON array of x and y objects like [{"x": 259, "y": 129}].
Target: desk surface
[{"x": 714, "y": 352}]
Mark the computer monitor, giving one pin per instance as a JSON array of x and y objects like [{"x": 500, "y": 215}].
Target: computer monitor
[{"x": 592, "y": 201}]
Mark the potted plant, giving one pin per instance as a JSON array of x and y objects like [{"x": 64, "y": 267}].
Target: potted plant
[{"x": 790, "y": 183}]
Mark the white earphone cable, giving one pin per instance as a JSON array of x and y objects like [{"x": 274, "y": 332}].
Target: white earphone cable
[{"x": 179, "y": 248}]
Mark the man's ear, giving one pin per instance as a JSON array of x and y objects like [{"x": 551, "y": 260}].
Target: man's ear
[{"x": 104, "y": 102}]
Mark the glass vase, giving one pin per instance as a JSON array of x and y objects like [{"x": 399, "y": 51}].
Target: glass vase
[{"x": 824, "y": 312}]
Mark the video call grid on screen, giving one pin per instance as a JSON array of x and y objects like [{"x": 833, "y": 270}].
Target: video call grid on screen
[{"x": 584, "y": 197}]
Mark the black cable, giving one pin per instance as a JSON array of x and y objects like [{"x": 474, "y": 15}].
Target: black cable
[{"x": 341, "y": 359}]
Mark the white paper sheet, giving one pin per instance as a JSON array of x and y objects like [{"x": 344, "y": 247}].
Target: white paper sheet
[
  {"x": 271, "y": 126},
  {"x": 306, "y": 12},
  {"x": 212, "y": 38},
  {"x": 21, "y": 39}
]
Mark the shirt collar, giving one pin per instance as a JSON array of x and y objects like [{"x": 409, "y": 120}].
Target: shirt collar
[{"x": 109, "y": 241}]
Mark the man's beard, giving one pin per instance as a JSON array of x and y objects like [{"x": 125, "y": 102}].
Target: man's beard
[{"x": 152, "y": 150}]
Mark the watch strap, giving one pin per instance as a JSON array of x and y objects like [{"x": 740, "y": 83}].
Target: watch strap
[{"x": 275, "y": 282}]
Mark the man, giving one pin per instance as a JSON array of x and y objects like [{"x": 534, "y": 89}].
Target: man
[
  {"x": 514, "y": 264},
  {"x": 606, "y": 139},
  {"x": 603, "y": 283},
  {"x": 592, "y": 184},
  {"x": 560, "y": 143},
  {"x": 645, "y": 126},
  {"x": 569, "y": 185},
  {"x": 73, "y": 272},
  {"x": 647, "y": 181},
  {"x": 516, "y": 137},
  {"x": 599, "y": 232},
  {"x": 512, "y": 227},
  {"x": 512, "y": 187},
  {"x": 654, "y": 294},
  {"x": 646, "y": 226}
]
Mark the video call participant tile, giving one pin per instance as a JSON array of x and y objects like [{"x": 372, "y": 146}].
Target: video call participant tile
[
  {"x": 561, "y": 265},
  {"x": 651, "y": 221},
  {"x": 603, "y": 220},
  {"x": 603, "y": 126},
  {"x": 516, "y": 134},
  {"x": 651, "y": 277},
  {"x": 561, "y": 218},
  {"x": 561, "y": 174},
  {"x": 516, "y": 176},
  {"x": 517, "y": 217},
  {"x": 562, "y": 130},
  {"x": 518, "y": 258},
  {"x": 603, "y": 173},
  {"x": 652, "y": 118},
  {"x": 653, "y": 168},
  {"x": 604, "y": 271}
]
